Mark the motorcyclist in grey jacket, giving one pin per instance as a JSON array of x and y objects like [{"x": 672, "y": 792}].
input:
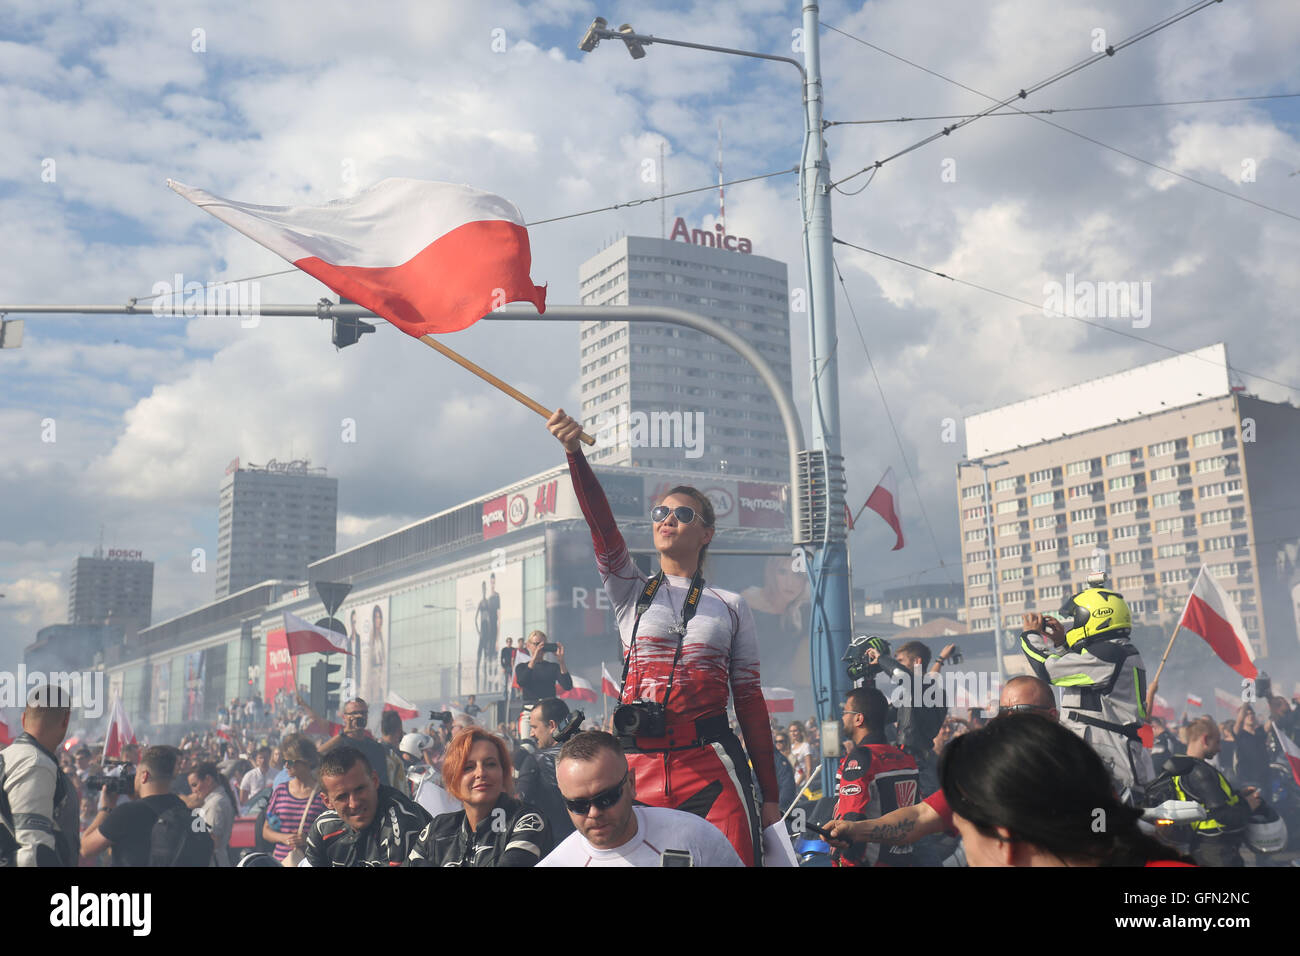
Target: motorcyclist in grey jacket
[{"x": 39, "y": 805}]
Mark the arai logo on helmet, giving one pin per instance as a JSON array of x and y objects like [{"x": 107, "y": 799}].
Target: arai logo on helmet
[{"x": 1103, "y": 611}]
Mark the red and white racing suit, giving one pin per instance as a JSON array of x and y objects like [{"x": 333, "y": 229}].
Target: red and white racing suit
[
  {"x": 872, "y": 780},
  {"x": 699, "y": 765}
]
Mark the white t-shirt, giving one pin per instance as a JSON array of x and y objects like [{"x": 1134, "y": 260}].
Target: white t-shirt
[
  {"x": 255, "y": 780},
  {"x": 657, "y": 829}
]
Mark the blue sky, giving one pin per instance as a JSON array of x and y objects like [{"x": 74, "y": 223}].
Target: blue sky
[{"x": 287, "y": 96}]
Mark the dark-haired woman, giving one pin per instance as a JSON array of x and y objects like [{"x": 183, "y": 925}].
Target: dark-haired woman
[
  {"x": 1025, "y": 791},
  {"x": 687, "y": 649}
]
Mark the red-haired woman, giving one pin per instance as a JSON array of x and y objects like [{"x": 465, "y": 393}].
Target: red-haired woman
[
  {"x": 494, "y": 829},
  {"x": 687, "y": 648}
]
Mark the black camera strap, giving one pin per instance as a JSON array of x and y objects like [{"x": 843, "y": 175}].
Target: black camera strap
[{"x": 694, "y": 591}]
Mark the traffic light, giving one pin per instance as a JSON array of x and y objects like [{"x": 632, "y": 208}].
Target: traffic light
[
  {"x": 347, "y": 331},
  {"x": 317, "y": 698},
  {"x": 332, "y": 687}
]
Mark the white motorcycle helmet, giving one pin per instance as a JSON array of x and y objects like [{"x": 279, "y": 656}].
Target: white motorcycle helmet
[
  {"x": 1266, "y": 831},
  {"x": 414, "y": 745}
]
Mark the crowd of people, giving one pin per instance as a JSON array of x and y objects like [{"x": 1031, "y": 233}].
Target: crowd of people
[{"x": 674, "y": 776}]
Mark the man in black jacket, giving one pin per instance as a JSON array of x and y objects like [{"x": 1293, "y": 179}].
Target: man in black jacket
[
  {"x": 919, "y": 701},
  {"x": 369, "y": 823},
  {"x": 545, "y": 721},
  {"x": 537, "y": 677}
]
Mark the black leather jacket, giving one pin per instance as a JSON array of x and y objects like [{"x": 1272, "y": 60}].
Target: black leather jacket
[
  {"x": 513, "y": 834},
  {"x": 386, "y": 842}
]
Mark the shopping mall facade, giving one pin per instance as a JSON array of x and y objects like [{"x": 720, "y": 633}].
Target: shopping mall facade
[{"x": 431, "y": 604}]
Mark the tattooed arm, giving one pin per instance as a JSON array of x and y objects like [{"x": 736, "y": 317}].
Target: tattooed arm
[{"x": 902, "y": 826}]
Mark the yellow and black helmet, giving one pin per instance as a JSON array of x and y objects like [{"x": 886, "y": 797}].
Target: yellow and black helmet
[{"x": 1095, "y": 611}]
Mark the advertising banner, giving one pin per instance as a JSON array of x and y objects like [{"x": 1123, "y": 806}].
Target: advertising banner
[
  {"x": 194, "y": 703},
  {"x": 367, "y": 630},
  {"x": 490, "y": 605},
  {"x": 162, "y": 684},
  {"x": 279, "y": 665},
  {"x": 761, "y": 505}
]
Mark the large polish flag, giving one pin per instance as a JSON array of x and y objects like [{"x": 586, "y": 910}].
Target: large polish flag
[
  {"x": 1291, "y": 750},
  {"x": 429, "y": 257},
  {"x": 607, "y": 685},
  {"x": 1162, "y": 709},
  {"x": 582, "y": 690},
  {"x": 1211, "y": 614},
  {"x": 303, "y": 637},
  {"x": 884, "y": 502},
  {"x": 400, "y": 706}
]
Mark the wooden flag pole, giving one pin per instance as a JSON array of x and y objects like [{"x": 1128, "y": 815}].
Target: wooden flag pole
[
  {"x": 1151, "y": 688},
  {"x": 491, "y": 379}
]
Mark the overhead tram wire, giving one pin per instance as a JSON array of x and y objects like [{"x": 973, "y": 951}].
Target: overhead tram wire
[
  {"x": 889, "y": 415},
  {"x": 1023, "y": 93},
  {"x": 1062, "y": 109},
  {"x": 589, "y": 212},
  {"x": 1032, "y": 115},
  {"x": 1038, "y": 306}
]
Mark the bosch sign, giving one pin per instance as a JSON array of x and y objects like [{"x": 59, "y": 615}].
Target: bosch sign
[{"x": 119, "y": 555}]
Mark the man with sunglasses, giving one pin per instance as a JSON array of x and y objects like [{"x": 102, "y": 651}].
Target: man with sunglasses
[
  {"x": 599, "y": 790},
  {"x": 906, "y": 825},
  {"x": 687, "y": 649}
]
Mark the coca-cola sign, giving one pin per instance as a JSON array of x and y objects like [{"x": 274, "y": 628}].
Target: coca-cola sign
[{"x": 494, "y": 517}]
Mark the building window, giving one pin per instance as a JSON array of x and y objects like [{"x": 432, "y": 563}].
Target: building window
[
  {"x": 1014, "y": 597},
  {"x": 1219, "y": 488},
  {"x": 1175, "y": 550},
  {"x": 1224, "y": 570},
  {"x": 1045, "y": 474},
  {"x": 1051, "y": 592},
  {"x": 1123, "y": 481},
  {"x": 1088, "y": 537},
  {"x": 981, "y": 600},
  {"x": 1162, "y": 448},
  {"x": 1206, "y": 465},
  {"x": 1010, "y": 507},
  {"x": 1118, "y": 459},
  {"x": 975, "y": 534},
  {"x": 976, "y": 557},
  {"x": 1124, "y": 507},
  {"x": 1175, "y": 576},
  {"x": 1042, "y": 499},
  {"x": 1135, "y": 582},
  {"x": 1011, "y": 551},
  {"x": 1014, "y": 527},
  {"x": 1125, "y": 531},
  {"x": 979, "y": 580},
  {"x": 1048, "y": 521},
  {"x": 1167, "y": 525},
  {"x": 1006, "y": 484},
  {"x": 1012, "y": 574},
  {"x": 1080, "y": 467},
  {"x": 1084, "y": 514},
  {"x": 1204, "y": 439},
  {"x": 1127, "y": 557},
  {"x": 970, "y": 514},
  {"x": 973, "y": 491},
  {"x": 1048, "y": 569},
  {"x": 1047, "y": 544},
  {"x": 1165, "y": 499}
]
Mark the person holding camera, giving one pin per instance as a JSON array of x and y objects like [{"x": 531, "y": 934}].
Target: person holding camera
[
  {"x": 157, "y": 829},
  {"x": 919, "y": 721},
  {"x": 39, "y": 810},
  {"x": 1102, "y": 680},
  {"x": 599, "y": 790},
  {"x": 549, "y": 718},
  {"x": 355, "y": 715},
  {"x": 537, "y": 677},
  {"x": 369, "y": 823},
  {"x": 687, "y": 648}
]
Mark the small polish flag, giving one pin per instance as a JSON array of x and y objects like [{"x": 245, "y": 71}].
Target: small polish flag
[
  {"x": 780, "y": 700},
  {"x": 119, "y": 732},
  {"x": 1195, "y": 701},
  {"x": 1292, "y": 752},
  {"x": 1160, "y": 708},
  {"x": 884, "y": 502},
  {"x": 1225, "y": 700},
  {"x": 429, "y": 257},
  {"x": 400, "y": 706},
  {"x": 582, "y": 690},
  {"x": 607, "y": 685},
  {"x": 304, "y": 637},
  {"x": 1211, "y": 614},
  {"x": 6, "y": 738}
]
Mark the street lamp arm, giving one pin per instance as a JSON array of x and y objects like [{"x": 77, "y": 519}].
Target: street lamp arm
[{"x": 647, "y": 39}]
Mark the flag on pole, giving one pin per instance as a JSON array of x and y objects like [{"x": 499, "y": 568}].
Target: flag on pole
[
  {"x": 1160, "y": 708},
  {"x": 119, "y": 732},
  {"x": 1194, "y": 701},
  {"x": 780, "y": 700},
  {"x": 400, "y": 706},
  {"x": 429, "y": 257},
  {"x": 303, "y": 637},
  {"x": 582, "y": 690},
  {"x": 607, "y": 685},
  {"x": 1211, "y": 614},
  {"x": 884, "y": 502},
  {"x": 1291, "y": 751}
]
